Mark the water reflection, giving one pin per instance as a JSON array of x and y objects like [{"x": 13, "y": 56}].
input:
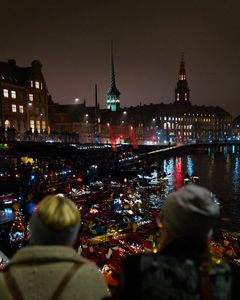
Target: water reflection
[
  {"x": 218, "y": 171},
  {"x": 189, "y": 166},
  {"x": 236, "y": 179},
  {"x": 6, "y": 215},
  {"x": 178, "y": 173}
]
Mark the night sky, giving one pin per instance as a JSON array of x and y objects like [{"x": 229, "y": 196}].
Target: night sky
[{"x": 72, "y": 40}]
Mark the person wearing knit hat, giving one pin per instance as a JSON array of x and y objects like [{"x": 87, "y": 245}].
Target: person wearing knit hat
[
  {"x": 189, "y": 212},
  {"x": 182, "y": 268},
  {"x": 56, "y": 222},
  {"x": 50, "y": 268}
]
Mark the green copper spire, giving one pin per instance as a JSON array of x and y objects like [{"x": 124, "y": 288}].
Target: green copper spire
[{"x": 113, "y": 93}]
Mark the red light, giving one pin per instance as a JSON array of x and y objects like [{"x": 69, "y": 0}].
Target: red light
[
  {"x": 153, "y": 138},
  {"x": 121, "y": 136}
]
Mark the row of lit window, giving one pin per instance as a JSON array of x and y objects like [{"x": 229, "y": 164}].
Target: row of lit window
[
  {"x": 185, "y": 96},
  {"x": 36, "y": 84},
  {"x": 7, "y": 93},
  {"x": 172, "y": 126},
  {"x": 182, "y": 77},
  {"x": 20, "y": 108},
  {"x": 37, "y": 125},
  {"x": 109, "y": 101},
  {"x": 181, "y": 119},
  {"x": 171, "y": 119}
]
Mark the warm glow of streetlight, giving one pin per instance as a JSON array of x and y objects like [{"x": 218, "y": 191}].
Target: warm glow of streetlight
[
  {"x": 76, "y": 99},
  {"x": 124, "y": 112},
  {"x": 30, "y": 104},
  {"x": 108, "y": 124}
]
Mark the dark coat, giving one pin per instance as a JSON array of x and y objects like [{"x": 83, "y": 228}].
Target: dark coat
[{"x": 173, "y": 274}]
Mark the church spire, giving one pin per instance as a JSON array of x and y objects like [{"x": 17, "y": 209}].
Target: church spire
[
  {"x": 113, "y": 94},
  {"x": 182, "y": 91}
]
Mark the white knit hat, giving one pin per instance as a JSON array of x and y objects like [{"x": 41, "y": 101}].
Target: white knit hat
[{"x": 190, "y": 211}]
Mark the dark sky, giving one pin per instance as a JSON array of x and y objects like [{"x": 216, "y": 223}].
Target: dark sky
[{"x": 72, "y": 40}]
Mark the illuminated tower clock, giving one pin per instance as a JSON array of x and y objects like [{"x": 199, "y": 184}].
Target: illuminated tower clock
[
  {"x": 182, "y": 91},
  {"x": 113, "y": 94}
]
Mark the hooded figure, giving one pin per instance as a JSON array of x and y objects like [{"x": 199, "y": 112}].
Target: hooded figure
[{"x": 50, "y": 268}]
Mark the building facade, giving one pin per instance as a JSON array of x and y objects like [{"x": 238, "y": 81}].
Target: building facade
[
  {"x": 177, "y": 122},
  {"x": 23, "y": 97}
]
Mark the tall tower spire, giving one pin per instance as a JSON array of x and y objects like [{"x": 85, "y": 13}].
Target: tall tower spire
[
  {"x": 113, "y": 94},
  {"x": 182, "y": 90},
  {"x": 96, "y": 116}
]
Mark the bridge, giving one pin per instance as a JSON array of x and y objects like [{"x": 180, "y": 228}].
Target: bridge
[{"x": 55, "y": 149}]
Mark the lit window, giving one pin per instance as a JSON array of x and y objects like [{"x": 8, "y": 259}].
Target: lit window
[
  {"x": 21, "y": 109},
  {"x": 177, "y": 96},
  {"x": 30, "y": 97},
  {"x": 5, "y": 93},
  {"x": 41, "y": 85},
  {"x": 14, "y": 108},
  {"x": 31, "y": 83},
  {"x": 43, "y": 125},
  {"x": 7, "y": 124},
  {"x": 37, "y": 84},
  {"x": 13, "y": 94},
  {"x": 185, "y": 96},
  {"x": 38, "y": 126},
  {"x": 32, "y": 126}
]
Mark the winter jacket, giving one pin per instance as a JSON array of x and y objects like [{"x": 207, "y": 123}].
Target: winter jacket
[
  {"x": 38, "y": 271},
  {"x": 173, "y": 274}
]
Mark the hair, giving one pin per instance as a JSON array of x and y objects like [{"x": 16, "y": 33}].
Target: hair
[{"x": 58, "y": 212}]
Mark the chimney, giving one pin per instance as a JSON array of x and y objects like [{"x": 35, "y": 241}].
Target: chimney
[{"x": 12, "y": 62}]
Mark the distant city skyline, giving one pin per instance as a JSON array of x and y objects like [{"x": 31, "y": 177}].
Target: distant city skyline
[{"x": 73, "y": 43}]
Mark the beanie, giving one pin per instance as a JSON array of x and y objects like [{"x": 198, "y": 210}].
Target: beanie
[
  {"x": 190, "y": 211},
  {"x": 41, "y": 234}
]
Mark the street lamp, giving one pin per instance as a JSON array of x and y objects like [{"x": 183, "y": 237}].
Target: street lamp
[{"x": 76, "y": 100}]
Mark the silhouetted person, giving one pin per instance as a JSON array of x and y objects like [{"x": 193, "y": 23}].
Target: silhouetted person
[
  {"x": 182, "y": 268},
  {"x": 51, "y": 269}
]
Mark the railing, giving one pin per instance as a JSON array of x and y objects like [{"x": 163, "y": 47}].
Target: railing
[{"x": 39, "y": 137}]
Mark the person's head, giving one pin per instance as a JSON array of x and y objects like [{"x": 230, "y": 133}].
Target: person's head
[
  {"x": 55, "y": 222},
  {"x": 190, "y": 213}
]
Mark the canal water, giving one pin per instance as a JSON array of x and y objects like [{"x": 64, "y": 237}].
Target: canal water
[{"x": 219, "y": 171}]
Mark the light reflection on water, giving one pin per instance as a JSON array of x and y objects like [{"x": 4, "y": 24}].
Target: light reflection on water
[
  {"x": 6, "y": 214},
  {"x": 218, "y": 171}
]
